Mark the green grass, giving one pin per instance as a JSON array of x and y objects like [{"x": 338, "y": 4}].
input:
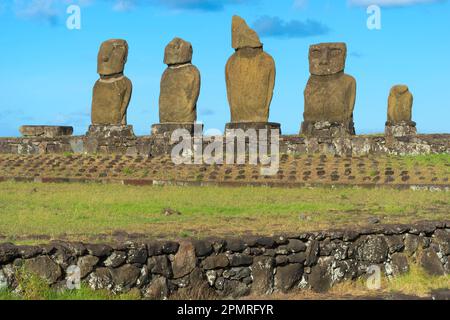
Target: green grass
[{"x": 80, "y": 210}]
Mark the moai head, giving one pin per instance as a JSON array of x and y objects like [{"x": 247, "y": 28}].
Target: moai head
[
  {"x": 400, "y": 104},
  {"x": 242, "y": 36},
  {"x": 178, "y": 51},
  {"x": 327, "y": 58},
  {"x": 112, "y": 57}
]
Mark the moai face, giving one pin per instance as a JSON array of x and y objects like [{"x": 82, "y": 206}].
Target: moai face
[
  {"x": 178, "y": 51},
  {"x": 242, "y": 36},
  {"x": 112, "y": 57},
  {"x": 327, "y": 58}
]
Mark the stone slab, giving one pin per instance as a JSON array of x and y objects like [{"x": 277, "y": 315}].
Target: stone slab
[
  {"x": 166, "y": 129},
  {"x": 325, "y": 129},
  {"x": 45, "y": 131}
]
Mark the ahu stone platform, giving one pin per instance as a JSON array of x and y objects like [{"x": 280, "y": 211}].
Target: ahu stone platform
[{"x": 124, "y": 142}]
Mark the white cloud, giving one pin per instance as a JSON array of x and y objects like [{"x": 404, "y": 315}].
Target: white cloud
[{"x": 391, "y": 3}]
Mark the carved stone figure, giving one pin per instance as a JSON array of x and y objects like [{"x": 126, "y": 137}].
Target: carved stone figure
[
  {"x": 330, "y": 93},
  {"x": 400, "y": 103},
  {"x": 180, "y": 89},
  {"x": 180, "y": 84},
  {"x": 399, "y": 118},
  {"x": 112, "y": 92},
  {"x": 250, "y": 76}
]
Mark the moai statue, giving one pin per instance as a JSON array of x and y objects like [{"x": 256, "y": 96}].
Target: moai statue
[
  {"x": 250, "y": 78},
  {"x": 180, "y": 89},
  {"x": 112, "y": 92},
  {"x": 399, "y": 118},
  {"x": 330, "y": 93}
]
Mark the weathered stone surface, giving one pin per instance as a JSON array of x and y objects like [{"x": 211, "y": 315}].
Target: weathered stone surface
[
  {"x": 262, "y": 272},
  {"x": 320, "y": 278},
  {"x": 238, "y": 259},
  {"x": 178, "y": 51},
  {"x": 116, "y": 259},
  {"x": 330, "y": 94},
  {"x": 395, "y": 243},
  {"x": 250, "y": 76},
  {"x": 100, "y": 279},
  {"x": 296, "y": 245},
  {"x": 112, "y": 92},
  {"x": 312, "y": 253},
  {"x": 235, "y": 245},
  {"x": 431, "y": 263},
  {"x": 327, "y": 58},
  {"x": 411, "y": 243},
  {"x": 46, "y": 131},
  {"x": 170, "y": 247},
  {"x": 8, "y": 252},
  {"x": 158, "y": 289},
  {"x": 86, "y": 265},
  {"x": 400, "y": 103},
  {"x": 299, "y": 257},
  {"x": 185, "y": 260},
  {"x": 442, "y": 239},
  {"x": 154, "y": 248},
  {"x": 398, "y": 265},
  {"x": 180, "y": 85},
  {"x": 288, "y": 276},
  {"x": 125, "y": 277},
  {"x": 400, "y": 129},
  {"x": 372, "y": 249},
  {"x": 242, "y": 36},
  {"x": 137, "y": 253},
  {"x": 99, "y": 250},
  {"x": 202, "y": 248},
  {"x": 44, "y": 267},
  {"x": 160, "y": 265},
  {"x": 215, "y": 262},
  {"x": 235, "y": 289}
]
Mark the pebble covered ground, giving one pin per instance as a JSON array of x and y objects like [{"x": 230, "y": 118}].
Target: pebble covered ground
[{"x": 293, "y": 170}]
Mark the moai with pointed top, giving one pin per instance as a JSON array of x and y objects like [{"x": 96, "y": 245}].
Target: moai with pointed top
[
  {"x": 180, "y": 89},
  {"x": 250, "y": 79},
  {"x": 112, "y": 92},
  {"x": 330, "y": 94},
  {"x": 399, "y": 118}
]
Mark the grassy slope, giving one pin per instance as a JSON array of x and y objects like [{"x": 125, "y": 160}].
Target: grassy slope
[{"x": 85, "y": 209}]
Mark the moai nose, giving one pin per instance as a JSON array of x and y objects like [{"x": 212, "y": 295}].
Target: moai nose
[{"x": 324, "y": 57}]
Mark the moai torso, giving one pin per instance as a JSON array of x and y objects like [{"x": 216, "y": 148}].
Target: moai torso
[
  {"x": 330, "y": 93},
  {"x": 112, "y": 92},
  {"x": 330, "y": 98},
  {"x": 250, "y": 76},
  {"x": 400, "y": 104},
  {"x": 180, "y": 85}
]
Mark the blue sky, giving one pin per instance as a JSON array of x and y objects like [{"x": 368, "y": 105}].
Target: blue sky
[{"x": 48, "y": 71}]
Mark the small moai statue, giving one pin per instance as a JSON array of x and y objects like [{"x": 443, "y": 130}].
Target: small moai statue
[
  {"x": 330, "y": 94},
  {"x": 399, "y": 118},
  {"x": 112, "y": 92},
  {"x": 250, "y": 78},
  {"x": 180, "y": 89}
]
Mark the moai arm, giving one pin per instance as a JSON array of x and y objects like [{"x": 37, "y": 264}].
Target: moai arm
[
  {"x": 126, "y": 101},
  {"x": 195, "y": 90},
  {"x": 228, "y": 84},
  {"x": 271, "y": 86},
  {"x": 351, "y": 97}
]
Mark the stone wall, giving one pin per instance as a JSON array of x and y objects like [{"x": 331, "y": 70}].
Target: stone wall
[
  {"x": 235, "y": 267},
  {"x": 155, "y": 146}
]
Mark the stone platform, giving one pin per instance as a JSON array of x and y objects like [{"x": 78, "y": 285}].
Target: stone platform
[
  {"x": 402, "y": 129},
  {"x": 45, "y": 131},
  {"x": 165, "y": 130},
  {"x": 325, "y": 129}
]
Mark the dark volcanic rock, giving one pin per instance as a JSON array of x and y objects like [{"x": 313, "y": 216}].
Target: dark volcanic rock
[
  {"x": 8, "y": 252},
  {"x": 372, "y": 249},
  {"x": 125, "y": 277},
  {"x": 45, "y": 268},
  {"x": 262, "y": 272},
  {"x": 185, "y": 260},
  {"x": 215, "y": 262},
  {"x": 429, "y": 260},
  {"x": 160, "y": 265},
  {"x": 288, "y": 276},
  {"x": 86, "y": 265},
  {"x": 99, "y": 250}
]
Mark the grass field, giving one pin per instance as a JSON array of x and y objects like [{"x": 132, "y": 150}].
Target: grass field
[{"x": 83, "y": 211}]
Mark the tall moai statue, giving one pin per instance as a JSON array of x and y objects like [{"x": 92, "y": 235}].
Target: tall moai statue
[
  {"x": 330, "y": 93},
  {"x": 180, "y": 89},
  {"x": 250, "y": 77},
  {"x": 399, "y": 117},
  {"x": 112, "y": 92}
]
